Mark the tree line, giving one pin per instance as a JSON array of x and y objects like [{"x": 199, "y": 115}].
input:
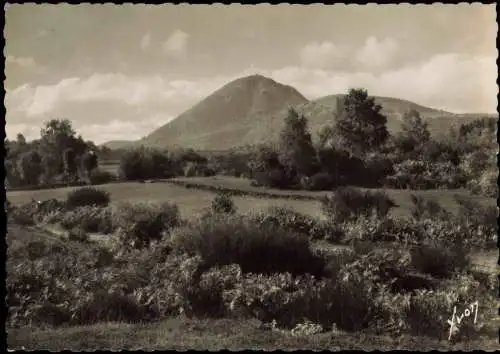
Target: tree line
[
  {"x": 354, "y": 148},
  {"x": 58, "y": 156}
]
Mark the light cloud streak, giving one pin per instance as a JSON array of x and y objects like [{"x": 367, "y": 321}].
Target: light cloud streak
[{"x": 176, "y": 45}]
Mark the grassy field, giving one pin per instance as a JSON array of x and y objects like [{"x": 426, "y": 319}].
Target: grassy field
[
  {"x": 192, "y": 201},
  {"x": 189, "y": 201},
  {"x": 211, "y": 334}
]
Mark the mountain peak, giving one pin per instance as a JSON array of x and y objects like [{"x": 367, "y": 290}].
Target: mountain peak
[
  {"x": 256, "y": 77},
  {"x": 229, "y": 116},
  {"x": 255, "y": 80}
]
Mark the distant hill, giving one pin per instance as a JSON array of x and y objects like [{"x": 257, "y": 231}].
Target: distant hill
[{"x": 251, "y": 110}]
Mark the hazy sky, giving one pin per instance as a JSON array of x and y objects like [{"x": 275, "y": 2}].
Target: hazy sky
[{"x": 120, "y": 71}]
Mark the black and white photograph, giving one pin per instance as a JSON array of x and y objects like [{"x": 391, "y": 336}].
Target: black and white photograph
[{"x": 251, "y": 177}]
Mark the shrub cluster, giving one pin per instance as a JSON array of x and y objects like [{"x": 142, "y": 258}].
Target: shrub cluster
[
  {"x": 87, "y": 196},
  {"x": 348, "y": 203},
  {"x": 419, "y": 174},
  {"x": 264, "y": 248},
  {"x": 139, "y": 224},
  {"x": 293, "y": 221},
  {"x": 99, "y": 176},
  {"x": 88, "y": 218},
  {"x": 223, "y": 203},
  {"x": 428, "y": 209}
]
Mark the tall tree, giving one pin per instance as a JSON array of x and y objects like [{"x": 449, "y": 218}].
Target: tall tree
[
  {"x": 297, "y": 152},
  {"x": 51, "y": 166},
  {"x": 360, "y": 124},
  {"x": 70, "y": 164},
  {"x": 57, "y": 135},
  {"x": 414, "y": 129},
  {"x": 89, "y": 163},
  {"x": 29, "y": 167},
  {"x": 20, "y": 139},
  {"x": 12, "y": 178},
  {"x": 57, "y": 127}
]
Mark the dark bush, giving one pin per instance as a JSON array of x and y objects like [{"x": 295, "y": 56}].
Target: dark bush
[
  {"x": 87, "y": 196},
  {"x": 223, "y": 240},
  {"x": 101, "y": 177},
  {"x": 475, "y": 213},
  {"x": 427, "y": 209},
  {"x": 348, "y": 203},
  {"x": 377, "y": 168},
  {"x": 146, "y": 163},
  {"x": 293, "y": 221},
  {"x": 90, "y": 219},
  {"x": 438, "y": 261},
  {"x": 320, "y": 181},
  {"x": 109, "y": 307},
  {"x": 380, "y": 201},
  {"x": 274, "y": 178},
  {"x": 223, "y": 203},
  {"x": 141, "y": 223},
  {"x": 196, "y": 169},
  {"x": 22, "y": 215},
  {"x": 341, "y": 166}
]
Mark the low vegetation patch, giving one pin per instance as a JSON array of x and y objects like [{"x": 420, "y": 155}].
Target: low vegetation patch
[
  {"x": 263, "y": 248},
  {"x": 100, "y": 176},
  {"x": 141, "y": 223},
  {"x": 293, "y": 221},
  {"x": 91, "y": 219},
  {"x": 348, "y": 203},
  {"x": 223, "y": 203},
  {"x": 87, "y": 196}
]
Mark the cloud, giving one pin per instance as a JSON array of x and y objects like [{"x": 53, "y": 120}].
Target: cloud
[
  {"x": 319, "y": 55},
  {"x": 139, "y": 104},
  {"x": 454, "y": 82},
  {"x": 120, "y": 130},
  {"x": 129, "y": 91},
  {"x": 146, "y": 41},
  {"x": 176, "y": 45},
  {"x": 23, "y": 63},
  {"x": 377, "y": 53},
  {"x": 98, "y": 132}
]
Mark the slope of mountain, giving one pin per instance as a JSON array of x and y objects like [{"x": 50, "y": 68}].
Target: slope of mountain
[
  {"x": 320, "y": 112},
  {"x": 251, "y": 110},
  {"x": 229, "y": 116}
]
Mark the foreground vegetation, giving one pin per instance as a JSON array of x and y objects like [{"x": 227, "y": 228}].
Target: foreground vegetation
[{"x": 225, "y": 265}]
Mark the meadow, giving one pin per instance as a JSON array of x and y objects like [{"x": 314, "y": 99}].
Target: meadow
[{"x": 191, "y": 201}]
